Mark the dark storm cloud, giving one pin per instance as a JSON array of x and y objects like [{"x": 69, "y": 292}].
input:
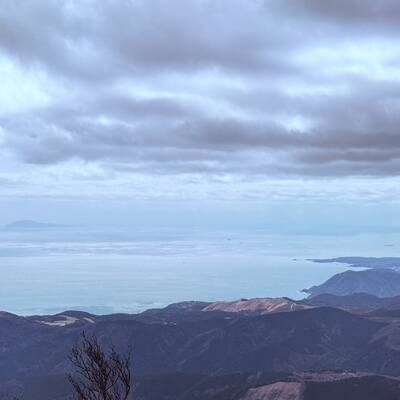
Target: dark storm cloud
[{"x": 259, "y": 87}]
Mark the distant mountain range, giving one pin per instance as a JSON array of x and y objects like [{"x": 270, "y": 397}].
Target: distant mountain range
[{"x": 198, "y": 349}]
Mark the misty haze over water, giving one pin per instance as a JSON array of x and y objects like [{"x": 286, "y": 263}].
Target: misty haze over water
[{"x": 106, "y": 270}]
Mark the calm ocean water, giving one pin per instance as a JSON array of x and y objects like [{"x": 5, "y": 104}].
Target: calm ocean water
[{"x": 120, "y": 270}]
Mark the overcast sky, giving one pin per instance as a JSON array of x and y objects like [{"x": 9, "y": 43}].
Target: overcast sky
[{"x": 164, "y": 103}]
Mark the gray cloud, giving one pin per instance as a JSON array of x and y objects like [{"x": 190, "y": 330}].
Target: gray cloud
[
  {"x": 111, "y": 40},
  {"x": 367, "y": 12},
  {"x": 304, "y": 88}
]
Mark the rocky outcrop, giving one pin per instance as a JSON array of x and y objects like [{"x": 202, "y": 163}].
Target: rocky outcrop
[
  {"x": 258, "y": 305},
  {"x": 276, "y": 391}
]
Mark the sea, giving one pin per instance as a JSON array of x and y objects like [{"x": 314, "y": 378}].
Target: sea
[{"x": 128, "y": 270}]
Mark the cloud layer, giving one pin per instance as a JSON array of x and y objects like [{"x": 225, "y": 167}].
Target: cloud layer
[{"x": 237, "y": 89}]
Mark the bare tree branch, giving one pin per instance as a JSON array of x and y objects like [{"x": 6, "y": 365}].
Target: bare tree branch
[{"x": 99, "y": 375}]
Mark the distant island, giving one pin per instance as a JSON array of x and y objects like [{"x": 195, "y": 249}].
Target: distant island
[{"x": 30, "y": 224}]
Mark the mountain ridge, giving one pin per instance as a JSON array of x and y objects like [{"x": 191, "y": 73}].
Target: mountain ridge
[{"x": 377, "y": 282}]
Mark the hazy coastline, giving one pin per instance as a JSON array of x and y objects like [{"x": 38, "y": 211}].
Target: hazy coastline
[{"x": 108, "y": 270}]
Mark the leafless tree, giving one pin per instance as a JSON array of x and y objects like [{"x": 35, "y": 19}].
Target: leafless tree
[{"x": 99, "y": 375}]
